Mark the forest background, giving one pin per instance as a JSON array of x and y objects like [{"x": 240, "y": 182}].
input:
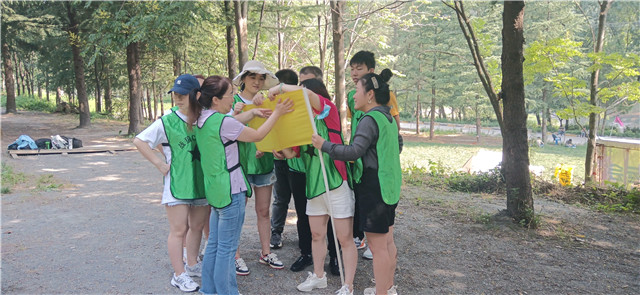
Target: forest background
[{"x": 117, "y": 59}]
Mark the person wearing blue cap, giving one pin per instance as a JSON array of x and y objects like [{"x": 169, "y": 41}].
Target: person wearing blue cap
[{"x": 183, "y": 193}]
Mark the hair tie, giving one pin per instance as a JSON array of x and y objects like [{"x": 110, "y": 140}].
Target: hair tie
[{"x": 375, "y": 82}]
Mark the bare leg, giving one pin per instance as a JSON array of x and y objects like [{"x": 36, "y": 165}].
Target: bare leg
[
  {"x": 344, "y": 231},
  {"x": 381, "y": 261},
  {"x": 178, "y": 226},
  {"x": 197, "y": 219},
  {"x": 393, "y": 254},
  {"x": 318, "y": 225},
  {"x": 263, "y": 202}
]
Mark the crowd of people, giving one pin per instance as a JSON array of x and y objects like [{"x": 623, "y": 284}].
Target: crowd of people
[{"x": 212, "y": 168}]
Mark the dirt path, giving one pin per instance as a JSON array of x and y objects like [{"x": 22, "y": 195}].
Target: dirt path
[{"x": 104, "y": 231}]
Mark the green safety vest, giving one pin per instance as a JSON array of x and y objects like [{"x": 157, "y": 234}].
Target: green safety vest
[
  {"x": 356, "y": 115},
  {"x": 185, "y": 170},
  {"x": 296, "y": 165},
  {"x": 313, "y": 167},
  {"x": 251, "y": 164},
  {"x": 388, "y": 152},
  {"x": 217, "y": 173}
]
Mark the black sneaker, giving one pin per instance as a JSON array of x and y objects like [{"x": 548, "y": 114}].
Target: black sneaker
[
  {"x": 333, "y": 266},
  {"x": 276, "y": 240},
  {"x": 302, "y": 262}
]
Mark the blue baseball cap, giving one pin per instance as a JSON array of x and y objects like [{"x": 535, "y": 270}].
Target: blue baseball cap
[{"x": 184, "y": 84}]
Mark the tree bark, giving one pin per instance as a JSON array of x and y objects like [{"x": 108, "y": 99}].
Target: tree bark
[
  {"x": 593, "y": 98},
  {"x": 133, "y": 65},
  {"x": 46, "y": 85},
  {"x": 255, "y": 46},
  {"x": 241, "y": 12},
  {"x": 17, "y": 73},
  {"x": 9, "y": 83},
  {"x": 515, "y": 152},
  {"x": 78, "y": 67},
  {"x": 149, "y": 112},
  {"x": 98, "y": 89},
  {"x": 432, "y": 120},
  {"x": 337, "y": 10},
  {"x": 231, "y": 52},
  {"x": 545, "y": 110}
]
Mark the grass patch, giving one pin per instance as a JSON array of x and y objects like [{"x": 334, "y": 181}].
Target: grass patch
[
  {"x": 47, "y": 183},
  {"x": 10, "y": 178}
]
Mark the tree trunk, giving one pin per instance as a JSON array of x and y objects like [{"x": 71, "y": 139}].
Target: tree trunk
[
  {"x": 418, "y": 110},
  {"x": 255, "y": 46},
  {"x": 545, "y": 111},
  {"x": 155, "y": 96},
  {"x": 78, "y": 66},
  {"x": 58, "y": 96},
  {"x": 231, "y": 52},
  {"x": 9, "y": 83},
  {"x": 133, "y": 65},
  {"x": 241, "y": 12},
  {"x": 515, "y": 152},
  {"x": 149, "y": 112},
  {"x": 17, "y": 73},
  {"x": 432, "y": 125},
  {"x": 337, "y": 10},
  {"x": 478, "y": 127},
  {"x": 280, "y": 40},
  {"x": 46, "y": 85},
  {"x": 98, "y": 90},
  {"x": 177, "y": 66},
  {"x": 593, "y": 98}
]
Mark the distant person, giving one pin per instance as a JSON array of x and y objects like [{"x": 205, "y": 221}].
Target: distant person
[
  {"x": 569, "y": 143},
  {"x": 183, "y": 193},
  {"x": 539, "y": 142},
  {"x": 310, "y": 72}
]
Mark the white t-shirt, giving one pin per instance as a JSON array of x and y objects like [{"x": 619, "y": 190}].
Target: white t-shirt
[{"x": 154, "y": 135}]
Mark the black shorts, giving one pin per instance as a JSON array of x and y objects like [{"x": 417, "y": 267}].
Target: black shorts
[{"x": 376, "y": 216}]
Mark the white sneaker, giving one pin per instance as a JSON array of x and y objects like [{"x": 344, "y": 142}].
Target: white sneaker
[
  {"x": 195, "y": 270},
  {"x": 344, "y": 291},
  {"x": 271, "y": 260},
  {"x": 184, "y": 282},
  {"x": 372, "y": 291},
  {"x": 241, "y": 267},
  {"x": 313, "y": 282},
  {"x": 367, "y": 254}
]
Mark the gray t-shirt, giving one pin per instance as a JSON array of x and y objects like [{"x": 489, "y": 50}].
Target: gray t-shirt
[
  {"x": 229, "y": 131},
  {"x": 363, "y": 144}
]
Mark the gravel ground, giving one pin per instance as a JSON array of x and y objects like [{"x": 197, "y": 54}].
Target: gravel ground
[{"x": 104, "y": 231}]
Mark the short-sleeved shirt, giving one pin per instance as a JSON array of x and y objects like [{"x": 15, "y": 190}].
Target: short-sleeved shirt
[
  {"x": 154, "y": 136},
  {"x": 229, "y": 131}
]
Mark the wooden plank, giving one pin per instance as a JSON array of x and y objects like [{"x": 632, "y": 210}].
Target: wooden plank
[{"x": 16, "y": 153}]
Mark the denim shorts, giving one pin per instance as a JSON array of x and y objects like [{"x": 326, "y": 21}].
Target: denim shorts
[
  {"x": 259, "y": 180},
  {"x": 194, "y": 202}
]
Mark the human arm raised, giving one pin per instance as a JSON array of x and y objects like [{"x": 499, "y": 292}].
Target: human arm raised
[{"x": 253, "y": 135}]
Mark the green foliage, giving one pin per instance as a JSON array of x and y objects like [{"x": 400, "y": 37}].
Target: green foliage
[
  {"x": 46, "y": 183},
  {"x": 490, "y": 182},
  {"x": 31, "y": 103}
]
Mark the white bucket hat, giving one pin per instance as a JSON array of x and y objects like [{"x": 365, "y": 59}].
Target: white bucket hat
[{"x": 257, "y": 67}]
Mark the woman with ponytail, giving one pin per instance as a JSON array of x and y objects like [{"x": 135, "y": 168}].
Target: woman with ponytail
[
  {"x": 225, "y": 183},
  {"x": 375, "y": 147},
  {"x": 183, "y": 194}
]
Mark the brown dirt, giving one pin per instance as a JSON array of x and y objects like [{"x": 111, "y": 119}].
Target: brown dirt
[{"x": 104, "y": 231}]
